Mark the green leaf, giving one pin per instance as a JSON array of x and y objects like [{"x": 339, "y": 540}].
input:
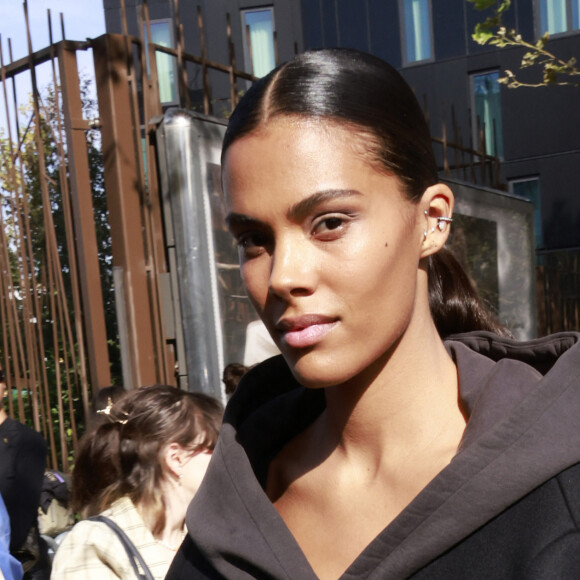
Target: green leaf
[
  {"x": 482, "y": 4},
  {"x": 503, "y": 7},
  {"x": 541, "y": 43},
  {"x": 482, "y": 37},
  {"x": 549, "y": 76}
]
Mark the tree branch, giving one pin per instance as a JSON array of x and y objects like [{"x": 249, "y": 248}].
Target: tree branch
[{"x": 554, "y": 70}]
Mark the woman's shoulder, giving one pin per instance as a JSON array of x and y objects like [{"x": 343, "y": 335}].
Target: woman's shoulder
[
  {"x": 89, "y": 551},
  {"x": 92, "y": 550},
  {"x": 120, "y": 508}
]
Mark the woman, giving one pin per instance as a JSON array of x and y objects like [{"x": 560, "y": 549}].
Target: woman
[
  {"x": 140, "y": 469},
  {"x": 373, "y": 448}
]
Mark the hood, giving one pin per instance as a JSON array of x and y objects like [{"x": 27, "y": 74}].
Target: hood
[{"x": 523, "y": 403}]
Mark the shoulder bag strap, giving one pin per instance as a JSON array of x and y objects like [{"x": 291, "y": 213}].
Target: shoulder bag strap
[{"x": 132, "y": 552}]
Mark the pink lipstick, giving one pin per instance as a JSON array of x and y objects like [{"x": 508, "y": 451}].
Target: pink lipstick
[{"x": 306, "y": 330}]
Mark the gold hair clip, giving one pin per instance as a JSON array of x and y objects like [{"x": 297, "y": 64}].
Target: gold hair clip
[{"x": 107, "y": 409}]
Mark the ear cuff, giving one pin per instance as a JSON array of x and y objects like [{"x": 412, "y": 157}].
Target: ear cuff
[{"x": 441, "y": 223}]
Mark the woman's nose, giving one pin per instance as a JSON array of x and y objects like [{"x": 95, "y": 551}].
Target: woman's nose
[{"x": 293, "y": 270}]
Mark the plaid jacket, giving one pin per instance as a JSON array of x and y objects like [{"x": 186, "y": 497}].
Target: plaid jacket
[{"x": 92, "y": 551}]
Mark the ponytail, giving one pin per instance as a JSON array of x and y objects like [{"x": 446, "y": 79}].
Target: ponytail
[
  {"x": 455, "y": 304},
  {"x": 97, "y": 470}
]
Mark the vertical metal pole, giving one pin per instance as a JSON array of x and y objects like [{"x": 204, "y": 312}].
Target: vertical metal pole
[
  {"x": 38, "y": 348},
  {"x": 232, "y": 68},
  {"x": 152, "y": 213},
  {"x": 184, "y": 100},
  {"x": 84, "y": 225},
  {"x": 206, "y": 86},
  {"x": 124, "y": 195}
]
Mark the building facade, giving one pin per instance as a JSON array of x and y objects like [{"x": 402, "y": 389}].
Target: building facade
[{"x": 535, "y": 132}]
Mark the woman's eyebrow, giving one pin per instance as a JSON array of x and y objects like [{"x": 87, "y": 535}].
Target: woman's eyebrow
[
  {"x": 239, "y": 219},
  {"x": 297, "y": 212},
  {"x": 304, "y": 207}
]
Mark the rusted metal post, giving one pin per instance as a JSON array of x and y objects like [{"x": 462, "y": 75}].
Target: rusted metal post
[
  {"x": 184, "y": 100},
  {"x": 84, "y": 224},
  {"x": 250, "y": 52},
  {"x": 124, "y": 197},
  {"x": 232, "y": 67},
  {"x": 444, "y": 141},
  {"x": 152, "y": 212},
  {"x": 206, "y": 86}
]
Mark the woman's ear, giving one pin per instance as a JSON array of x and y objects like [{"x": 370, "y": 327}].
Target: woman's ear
[
  {"x": 437, "y": 206},
  {"x": 174, "y": 458}
]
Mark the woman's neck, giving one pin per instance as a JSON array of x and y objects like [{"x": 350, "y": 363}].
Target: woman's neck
[
  {"x": 172, "y": 533},
  {"x": 409, "y": 401}
]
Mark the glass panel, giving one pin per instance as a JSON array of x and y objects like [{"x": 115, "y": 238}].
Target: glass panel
[
  {"x": 417, "y": 30},
  {"x": 161, "y": 34},
  {"x": 473, "y": 241},
  {"x": 576, "y": 14},
  {"x": 530, "y": 190},
  {"x": 553, "y": 16},
  {"x": 488, "y": 109},
  {"x": 262, "y": 39}
]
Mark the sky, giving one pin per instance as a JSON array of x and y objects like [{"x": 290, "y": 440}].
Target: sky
[{"x": 82, "y": 19}]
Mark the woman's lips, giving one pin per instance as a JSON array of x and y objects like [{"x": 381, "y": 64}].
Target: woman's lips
[{"x": 306, "y": 331}]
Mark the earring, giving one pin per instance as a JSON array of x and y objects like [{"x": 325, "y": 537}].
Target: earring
[{"x": 441, "y": 221}]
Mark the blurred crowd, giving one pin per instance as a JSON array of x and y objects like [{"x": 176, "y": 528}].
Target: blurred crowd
[{"x": 136, "y": 469}]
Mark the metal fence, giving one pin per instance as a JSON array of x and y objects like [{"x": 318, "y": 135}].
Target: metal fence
[{"x": 82, "y": 247}]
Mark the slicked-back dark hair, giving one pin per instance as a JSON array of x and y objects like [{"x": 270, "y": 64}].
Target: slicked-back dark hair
[
  {"x": 354, "y": 88},
  {"x": 362, "y": 91}
]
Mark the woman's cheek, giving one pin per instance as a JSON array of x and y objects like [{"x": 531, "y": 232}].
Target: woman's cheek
[{"x": 256, "y": 282}]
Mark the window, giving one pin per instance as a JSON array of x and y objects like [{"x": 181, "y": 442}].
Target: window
[
  {"x": 258, "y": 37},
  {"x": 416, "y": 26},
  {"x": 530, "y": 189},
  {"x": 486, "y": 109},
  {"x": 161, "y": 33},
  {"x": 558, "y": 16}
]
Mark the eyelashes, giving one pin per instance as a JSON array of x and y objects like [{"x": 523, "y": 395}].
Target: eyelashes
[
  {"x": 331, "y": 227},
  {"x": 252, "y": 244},
  {"x": 327, "y": 227}
]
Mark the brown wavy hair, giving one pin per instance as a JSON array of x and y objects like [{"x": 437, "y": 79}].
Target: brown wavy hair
[{"x": 122, "y": 455}]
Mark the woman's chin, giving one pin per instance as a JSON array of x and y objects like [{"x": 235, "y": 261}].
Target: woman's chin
[{"x": 316, "y": 374}]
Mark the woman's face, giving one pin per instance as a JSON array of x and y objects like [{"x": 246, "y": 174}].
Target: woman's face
[
  {"x": 329, "y": 246},
  {"x": 194, "y": 471}
]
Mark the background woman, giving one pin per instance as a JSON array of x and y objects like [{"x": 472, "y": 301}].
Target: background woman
[
  {"x": 140, "y": 469},
  {"x": 373, "y": 449}
]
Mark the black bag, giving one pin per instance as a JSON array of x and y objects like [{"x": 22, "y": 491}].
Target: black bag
[
  {"x": 54, "y": 514},
  {"x": 134, "y": 555}
]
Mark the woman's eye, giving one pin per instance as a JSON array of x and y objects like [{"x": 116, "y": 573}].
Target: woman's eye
[
  {"x": 330, "y": 227},
  {"x": 252, "y": 244}
]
